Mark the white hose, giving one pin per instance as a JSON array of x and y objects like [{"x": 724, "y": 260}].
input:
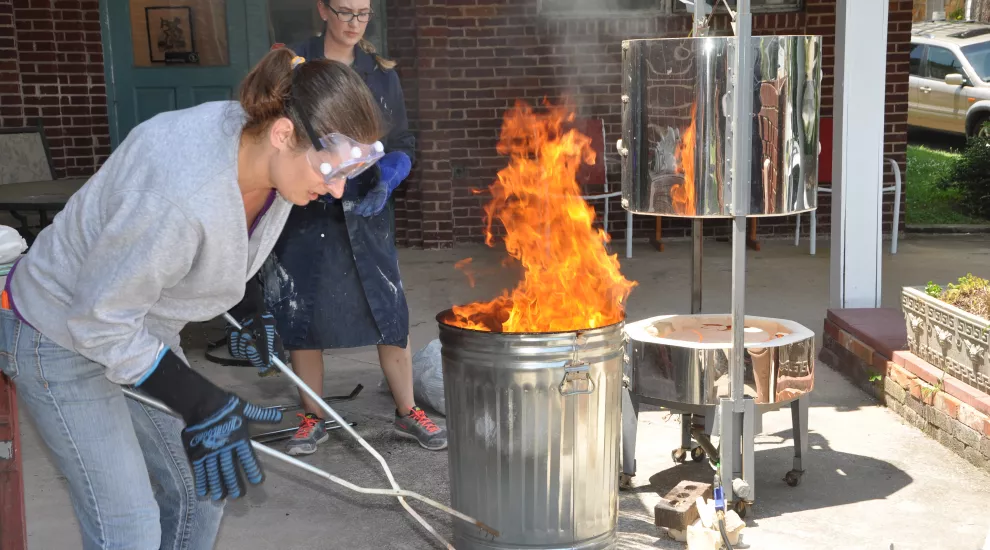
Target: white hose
[{"x": 396, "y": 491}]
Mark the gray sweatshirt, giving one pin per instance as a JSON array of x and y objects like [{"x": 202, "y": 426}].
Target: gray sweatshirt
[{"x": 156, "y": 239}]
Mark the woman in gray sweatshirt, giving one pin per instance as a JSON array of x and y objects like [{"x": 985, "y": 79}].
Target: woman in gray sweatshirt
[{"x": 166, "y": 233}]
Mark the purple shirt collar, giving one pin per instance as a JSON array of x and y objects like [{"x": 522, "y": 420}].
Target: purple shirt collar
[{"x": 264, "y": 210}]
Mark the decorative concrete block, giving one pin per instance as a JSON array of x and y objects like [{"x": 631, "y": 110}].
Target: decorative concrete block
[
  {"x": 942, "y": 421},
  {"x": 949, "y": 442},
  {"x": 976, "y": 458},
  {"x": 917, "y": 420},
  {"x": 966, "y": 434},
  {"x": 893, "y": 390},
  {"x": 923, "y": 411},
  {"x": 947, "y": 337}
]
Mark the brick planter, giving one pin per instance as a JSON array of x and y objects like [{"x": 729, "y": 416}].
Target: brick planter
[
  {"x": 942, "y": 406},
  {"x": 948, "y": 338}
]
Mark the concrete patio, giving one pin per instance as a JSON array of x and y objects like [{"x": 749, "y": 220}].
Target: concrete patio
[{"x": 871, "y": 480}]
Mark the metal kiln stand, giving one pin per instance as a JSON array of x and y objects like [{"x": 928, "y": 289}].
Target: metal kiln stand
[{"x": 787, "y": 73}]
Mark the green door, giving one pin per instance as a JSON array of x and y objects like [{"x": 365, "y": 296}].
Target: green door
[{"x": 174, "y": 54}]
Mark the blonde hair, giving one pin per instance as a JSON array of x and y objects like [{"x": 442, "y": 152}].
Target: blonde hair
[{"x": 383, "y": 63}]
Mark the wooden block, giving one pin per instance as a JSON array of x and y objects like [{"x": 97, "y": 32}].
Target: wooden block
[{"x": 677, "y": 510}]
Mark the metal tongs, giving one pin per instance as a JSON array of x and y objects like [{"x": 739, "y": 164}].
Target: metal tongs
[{"x": 395, "y": 491}]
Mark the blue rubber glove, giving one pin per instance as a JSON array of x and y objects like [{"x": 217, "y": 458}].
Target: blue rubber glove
[
  {"x": 258, "y": 342},
  {"x": 393, "y": 168}
]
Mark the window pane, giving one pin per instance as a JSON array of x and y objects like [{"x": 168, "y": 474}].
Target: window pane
[
  {"x": 293, "y": 21},
  {"x": 179, "y": 31},
  {"x": 916, "y": 54},
  {"x": 979, "y": 58},
  {"x": 758, "y": 5},
  {"x": 942, "y": 62},
  {"x": 598, "y": 6}
]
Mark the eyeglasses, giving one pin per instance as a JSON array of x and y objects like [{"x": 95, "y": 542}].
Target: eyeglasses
[{"x": 348, "y": 16}]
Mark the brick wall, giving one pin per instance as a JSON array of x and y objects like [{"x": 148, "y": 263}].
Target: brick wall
[
  {"x": 51, "y": 67},
  {"x": 463, "y": 63}
]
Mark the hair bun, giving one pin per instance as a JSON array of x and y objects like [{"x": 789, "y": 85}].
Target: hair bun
[{"x": 266, "y": 89}]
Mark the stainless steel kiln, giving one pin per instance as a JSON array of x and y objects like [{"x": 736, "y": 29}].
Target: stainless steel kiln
[
  {"x": 534, "y": 422},
  {"x": 682, "y": 361},
  {"x": 719, "y": 127},
  {"x": 676, "y": 126}
]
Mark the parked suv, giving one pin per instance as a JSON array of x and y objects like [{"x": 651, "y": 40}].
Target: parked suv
[{"x": 950, "y": 77}]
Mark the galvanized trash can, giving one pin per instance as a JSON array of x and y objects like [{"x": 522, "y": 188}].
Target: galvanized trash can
[{"x": 534, "y": 423}]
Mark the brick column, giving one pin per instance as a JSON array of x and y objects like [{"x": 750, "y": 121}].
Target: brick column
[
  {"x": 11, "y": 106},
  {"x": 899, "y": 21},
  {"x": 432, "y": 102},
  {"x": 402, "y": 48}
]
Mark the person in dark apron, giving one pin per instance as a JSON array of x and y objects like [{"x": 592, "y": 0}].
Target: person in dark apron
[{"x": 333, "y": 280}]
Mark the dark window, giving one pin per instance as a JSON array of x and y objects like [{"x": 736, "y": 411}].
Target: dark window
[
  {"x": 755, "y": 5},
  {"x": 978, "y": 56},
  {"x": 917, "y": 53},
  {"x": 600, "y": 7},
  {"x": 942, "y": 62}
]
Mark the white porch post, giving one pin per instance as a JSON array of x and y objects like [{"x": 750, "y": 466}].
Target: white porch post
[{"x": 860, "y": 79}]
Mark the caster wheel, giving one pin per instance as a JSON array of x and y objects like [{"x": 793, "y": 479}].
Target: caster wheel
[
  {"x": 741, "y": 507},
  {"x": 793, "y": 478},
  {"x": 678, "y": 456},
  {"x": 625, "y": 482},
  {"x": 698, "y": 454}
]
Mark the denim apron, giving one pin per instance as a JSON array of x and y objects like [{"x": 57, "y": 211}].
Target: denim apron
[{"x": 332, "y": 280}]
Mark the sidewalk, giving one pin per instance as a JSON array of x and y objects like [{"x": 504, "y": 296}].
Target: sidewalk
[{"x": 871, "y": 480}]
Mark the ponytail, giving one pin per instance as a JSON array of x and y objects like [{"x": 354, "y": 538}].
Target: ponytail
[
  {"x": 369, "y": 48},
  {"x": 265, "y": 91}
]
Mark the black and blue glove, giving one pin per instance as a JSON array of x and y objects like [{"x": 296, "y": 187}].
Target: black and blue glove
[
  {"x": 258, "y": 342},
  {"x": 216, "y": 436},
  {"x": 393, "y": 168}
]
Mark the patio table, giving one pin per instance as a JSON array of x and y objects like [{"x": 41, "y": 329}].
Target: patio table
[{"x": 39, "y": 196}]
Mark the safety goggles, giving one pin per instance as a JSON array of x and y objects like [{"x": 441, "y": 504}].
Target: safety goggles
[{"x": 337, "y": 157}]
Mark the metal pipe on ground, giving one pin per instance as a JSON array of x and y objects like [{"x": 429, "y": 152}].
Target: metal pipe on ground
[
  {"x": 268, "y": 451},
  {"x": 396, "y": 491}
]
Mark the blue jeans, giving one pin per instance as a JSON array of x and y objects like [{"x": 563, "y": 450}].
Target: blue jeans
[{"x": 129, "y": 479}]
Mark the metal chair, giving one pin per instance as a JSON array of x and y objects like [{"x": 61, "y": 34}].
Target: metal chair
[
  {"x": 895, "y": 189},
  {"x": 598, "y": 175}
]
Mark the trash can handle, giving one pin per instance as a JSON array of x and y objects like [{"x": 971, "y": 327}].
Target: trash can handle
[{"x": 577, "y": 372}]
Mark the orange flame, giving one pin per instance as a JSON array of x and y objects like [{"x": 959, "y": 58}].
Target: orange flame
[
  {"x": 570, "y": 281},
  {"x": 682, "y": 195},
  {"x": 465, "y": 267}
]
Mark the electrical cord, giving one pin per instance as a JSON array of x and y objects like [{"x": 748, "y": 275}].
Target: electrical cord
[
  {"x": 720, "y": 510},
  {"x": 721, "y": 529}
]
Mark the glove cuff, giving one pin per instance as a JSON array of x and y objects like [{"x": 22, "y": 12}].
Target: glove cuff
[{"x": 184, "y": 390}]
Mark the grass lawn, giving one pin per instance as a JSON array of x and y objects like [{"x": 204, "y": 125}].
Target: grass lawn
[{"x": 927, "y": 204}]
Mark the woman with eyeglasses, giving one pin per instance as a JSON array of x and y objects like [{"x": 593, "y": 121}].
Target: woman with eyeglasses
[
  {"x": 166, "y": 233},
  {"x": 333, "y": 279}
]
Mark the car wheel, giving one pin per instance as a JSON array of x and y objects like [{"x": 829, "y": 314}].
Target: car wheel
[{"x": 980, "y": 128}]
